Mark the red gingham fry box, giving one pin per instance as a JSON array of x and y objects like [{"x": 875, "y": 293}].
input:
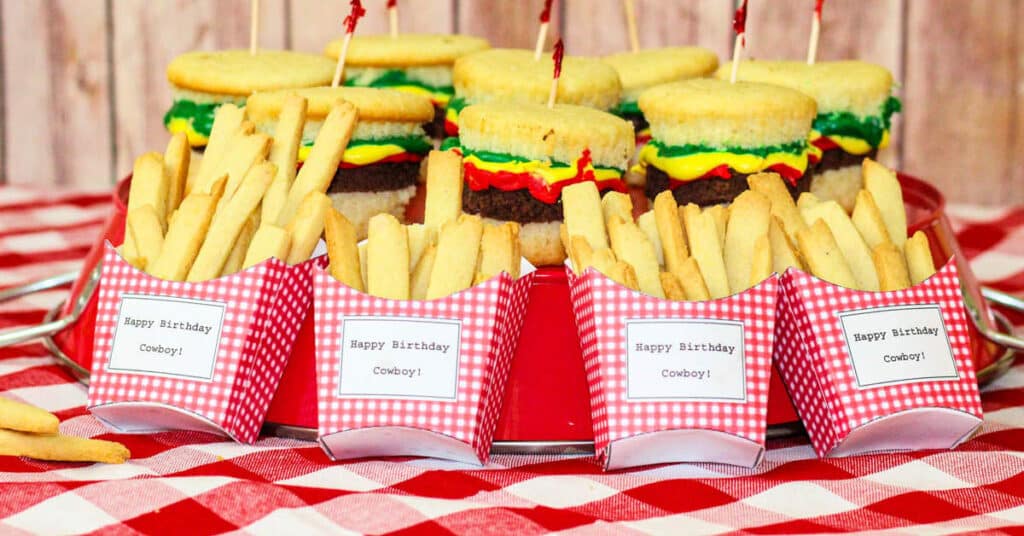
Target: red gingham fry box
[
  {"x": 201, "y": 356},
  {"x": 675, "y": 381},
  {"x": 878, "y": 371},
  {"x": 414, "y": 377}
]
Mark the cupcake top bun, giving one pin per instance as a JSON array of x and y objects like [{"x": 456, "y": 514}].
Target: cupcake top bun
[
  {"x": 406, "y": 50},
  {"x": 857, "y": 87},
  {"x": 513, "y": 75},
  {"x": 373, "y": 104},
  {"x": 705, "y": 111},
  {"x": 649, "y": 67},
  {"x": 536, "y": 132},
  {"x": 237, "y": 72}
]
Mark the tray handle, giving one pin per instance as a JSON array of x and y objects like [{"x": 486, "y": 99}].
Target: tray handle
[
  {"x": 1003, "y": 338},
  {"x": 19, "y": 335}
]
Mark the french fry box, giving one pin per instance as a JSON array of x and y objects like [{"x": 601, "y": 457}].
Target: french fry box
[
  {"x": 414, "y": 377},
  {"x": 201, "y": 356},
  {"x": 675, "y": 381},
  {"x": 878, "y": 371}
]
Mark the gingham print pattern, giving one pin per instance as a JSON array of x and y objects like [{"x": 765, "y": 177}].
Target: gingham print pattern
[
  {"x": 815, "y": 365},
  {"x": 249, "y": 362},
  {"x": 602, "y": 307},
  {"x": 194, "y": 483},
  {"x": 491, "y": 314}
]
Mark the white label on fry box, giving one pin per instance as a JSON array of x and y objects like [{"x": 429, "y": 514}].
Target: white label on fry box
[
  {"x": 166, "y": 336},
  {"x": 399, "y": 357},
  {"x": 900, "y": 344},
  {"x": 680, "y": 360}
]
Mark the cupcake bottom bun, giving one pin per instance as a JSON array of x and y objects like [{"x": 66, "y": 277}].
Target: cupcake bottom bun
[
  {"x": 539, "y": 241},
  {"x": 840, "y": 185},
  {"x": 359, "y": 207}
]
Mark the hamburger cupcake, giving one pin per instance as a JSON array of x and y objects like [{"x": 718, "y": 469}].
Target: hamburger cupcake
[
  {"x": 855, "y": 109},
  {"x": 518, "y": 157},
  {"x": 708, "y": 135},
  {"x": 201, "y": 81},
  {"x": 380, "y": 167},
  {"x": 639, "y": 71},
  {"x": 512, "y": 75},
  {"x": 414, "y": 63}
]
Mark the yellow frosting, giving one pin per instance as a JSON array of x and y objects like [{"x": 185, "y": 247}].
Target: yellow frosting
[{"x": 695, "y": 166}]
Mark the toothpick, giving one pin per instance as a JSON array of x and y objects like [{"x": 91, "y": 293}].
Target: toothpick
[
  {"x": 351, "y": 20},
  {"x": 542, "y": 36},
  {"x": 739, "y": 25},
  {"x": 634, "y": 40},
  {"x": 393, "y": 17},
  {"x": 812, "y": 47},
  {"x": 556, "y": 57},
  {"x": 254, "y": 26},
  {"x": 340, "y": 68},
  {"x": 737, "y": 48}
]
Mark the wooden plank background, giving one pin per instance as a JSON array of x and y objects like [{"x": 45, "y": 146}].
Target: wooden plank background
[{"x": 82, "y": 82}]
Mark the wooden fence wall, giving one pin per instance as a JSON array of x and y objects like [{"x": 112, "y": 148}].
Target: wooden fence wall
[{"x": 83, "y": 87}]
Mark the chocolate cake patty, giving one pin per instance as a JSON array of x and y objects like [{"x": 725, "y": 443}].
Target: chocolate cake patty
[
  {"x": 638, "y": 120},
  {"x": 714, "y": 190},
  {"x": 838, "y": 158},
  {"x": 381, "y": 177},
  {"x": 515, "y": 205},
  {"x": 435, "y": 128}
]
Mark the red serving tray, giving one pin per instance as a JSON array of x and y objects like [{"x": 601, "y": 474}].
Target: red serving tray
[{"x": 546, "y": 399}]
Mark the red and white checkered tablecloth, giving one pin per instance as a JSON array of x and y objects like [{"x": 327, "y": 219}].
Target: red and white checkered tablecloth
[{"x": 195, "y": 483}]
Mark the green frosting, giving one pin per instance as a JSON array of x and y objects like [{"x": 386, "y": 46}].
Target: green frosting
[
  {"x": 397, "y": 77},
  {"x": 457, "y": 104},
  {"x": 504, "y": 158},
  {"x": 199, "y": 115},
  {"x": 413, "y": 144},
  {"x": 870, "y": 129},
  {"x": 625, "y": 108},
  {"x": 671, "y": 151}
]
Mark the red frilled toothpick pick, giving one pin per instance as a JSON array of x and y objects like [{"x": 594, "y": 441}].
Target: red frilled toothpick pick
[
  {"x": 393, "y": 17},
  {"x": 812, "y": 47},
  {"x": 556, "y": 57},
  {"x": 351, "y": 20},
  {"x": 545, "y": 21},
  {"x": 739, "y": 25}
]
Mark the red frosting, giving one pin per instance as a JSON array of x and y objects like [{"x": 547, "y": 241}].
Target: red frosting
[
  {"x": 479, "y": 179},
  {"x": 724, "y": 172}
]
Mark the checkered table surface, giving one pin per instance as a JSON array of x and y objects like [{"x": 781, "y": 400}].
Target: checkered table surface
[{"x": 193, "y": 483}]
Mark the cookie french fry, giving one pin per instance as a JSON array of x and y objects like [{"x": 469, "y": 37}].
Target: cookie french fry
[
  {"x": 672, "y": 287},
  {"x": 269, "y": 241},
  {"x": 868, "y": 220},
  {"x": 692, "y": 281},
  {"x": 458, "y": 245},
  {"x": 387, "y": 258},
  {"x": 343, "y": 251},
  {"x": 498, "y": 252},
  {"x": 177, "y": 157},
  {"x": 919, "y": 258},
  {"x": 420, "y": 236},
  {"x": 185, "y": 235},
  {"x": 444, "y": 182},
  {"x": 227, "y": 120},
  {"x": 892, "y": 269},
  {"x": 236, "y": 258},
  {"x": 61, "y": 448},
  {"x": 806, "y": 200},
  {"x": 421, "y": 274},
  {"x": 322, "y": 163},
  {"x": 362, "y": 260},
  {"x": 284, "y": 154},
  {"x": 771, "y": 186},
  {"x": 229, "y": 222},
  {"x": 761, "y": 260},
  {"x": 149, "y": 187},
  {"x": 784, "y": 252},
  {"x": 706, "y": 248},
  {"x": 242, "y": 154},
  {"x": 583, "y": 254},
  {"x": 631, "y": 246},
  {"x": 749, "y": 216},
  {"x": 885, "y": 188},
  {"x": 563, "y": 237},
  {"x": 721, "y": 215},
  {"x": 617, "y": 204},
  {"x": 623, "y": 274},
  {"x": 823, "y": 256},
  {"x": 581, "y": 204},
  {"x": 649, "y": 225},
  {"x": 670, "y": 231},
  {"x": 307, "y": 226},
  {"x": 25, "y": 418},
  {"x": 143, "y": 224},
  {"x": 851, "y": 244}
]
